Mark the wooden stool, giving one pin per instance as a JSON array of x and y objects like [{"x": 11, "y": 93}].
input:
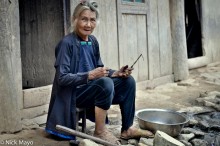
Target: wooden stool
[{"x": 83, "y": 123}]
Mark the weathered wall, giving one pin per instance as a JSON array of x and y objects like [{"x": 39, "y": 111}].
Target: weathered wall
[
  {"x": 41, "y": 23},
  {"x": 211, "y": 29},
  {"x": 10, "y": 67},
  {"x": 159, "y": 39}
]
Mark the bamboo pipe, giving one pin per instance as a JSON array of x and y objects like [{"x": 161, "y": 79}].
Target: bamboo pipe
[{"x": 83, "y": 135}]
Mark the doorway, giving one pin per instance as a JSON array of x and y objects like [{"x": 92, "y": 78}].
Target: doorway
[
  {"x": 41, "y": 27},
  {"x": 193, "y": 28}
]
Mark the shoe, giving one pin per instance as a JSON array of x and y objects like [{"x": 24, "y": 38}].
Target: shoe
[{"x": 138, "y": 133}]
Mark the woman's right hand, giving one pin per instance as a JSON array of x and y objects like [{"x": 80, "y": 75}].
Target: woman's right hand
[{"x": 98, "y": 73}]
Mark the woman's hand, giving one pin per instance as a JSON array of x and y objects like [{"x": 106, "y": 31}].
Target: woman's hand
[
  {"x": 98, "y": 73},
  {"x": 124, "y": 72}
]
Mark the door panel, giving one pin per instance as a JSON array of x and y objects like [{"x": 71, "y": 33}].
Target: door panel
[{"x": 132, "y": 33}]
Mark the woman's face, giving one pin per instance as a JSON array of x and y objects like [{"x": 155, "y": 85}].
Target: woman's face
[{"x": 86, "y": 24}]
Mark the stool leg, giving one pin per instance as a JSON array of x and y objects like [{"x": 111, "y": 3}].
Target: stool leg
[
  {"x": 84, "y": 121},
  {"x": 77, "y": 121}
]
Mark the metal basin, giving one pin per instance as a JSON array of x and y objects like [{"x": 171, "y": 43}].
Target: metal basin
[{"x": 168, "y": 121}]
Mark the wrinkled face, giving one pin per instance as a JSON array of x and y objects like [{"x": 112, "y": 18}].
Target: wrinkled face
[{"x": 86, "y": 24}]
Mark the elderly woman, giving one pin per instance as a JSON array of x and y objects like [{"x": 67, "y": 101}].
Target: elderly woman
[{"x": 81, "y": 80}]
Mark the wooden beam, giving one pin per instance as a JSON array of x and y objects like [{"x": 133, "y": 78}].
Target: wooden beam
[{"x": 10, "y": 67}]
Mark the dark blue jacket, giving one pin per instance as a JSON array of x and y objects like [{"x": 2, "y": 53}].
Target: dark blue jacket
[{"x": 62, "y": 108}]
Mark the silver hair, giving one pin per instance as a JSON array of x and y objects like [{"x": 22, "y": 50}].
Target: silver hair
[{"x": 93, "y": 6}]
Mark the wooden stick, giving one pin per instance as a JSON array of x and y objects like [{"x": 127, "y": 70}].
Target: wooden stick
[{"x": 83, "y": 135}]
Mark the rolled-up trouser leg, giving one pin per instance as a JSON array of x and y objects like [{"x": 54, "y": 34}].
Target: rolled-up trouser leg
[
  {"x": 125, "y": 90},
  {"x": 98, "y": 93}
]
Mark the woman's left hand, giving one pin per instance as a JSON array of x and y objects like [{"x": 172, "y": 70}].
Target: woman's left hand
[{"x": 124, "y": 72}]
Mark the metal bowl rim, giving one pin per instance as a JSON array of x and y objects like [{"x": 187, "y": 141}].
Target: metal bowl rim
[{"x": 162, "y": 110}]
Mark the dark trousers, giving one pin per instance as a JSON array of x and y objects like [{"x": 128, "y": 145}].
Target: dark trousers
[{"x": 105, "y": 91}]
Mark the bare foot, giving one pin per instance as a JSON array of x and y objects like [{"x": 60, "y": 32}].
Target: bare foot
[
  {"x": 136, "y": 133},
  {"x": 107, "y": 136}
]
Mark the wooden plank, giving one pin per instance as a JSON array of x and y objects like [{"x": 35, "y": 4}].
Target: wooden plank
[
  {"x": 153, "y": 40},
  {"x": 143, "y": 64},
  {"x": 133, "y": 43},
  {"x": 83, "y": 135},
  {"x": 164, "y": 38},
  {"x": 129, "y": 42}
]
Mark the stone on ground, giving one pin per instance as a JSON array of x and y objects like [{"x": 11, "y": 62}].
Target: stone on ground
[
  {"x": 162, "y": 138},
  {"x": 87, "y": 142}
]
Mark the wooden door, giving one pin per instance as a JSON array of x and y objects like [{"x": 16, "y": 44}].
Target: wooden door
[
  {"x": 132, "y": 34},
  {"x": 41, "y": 27}
]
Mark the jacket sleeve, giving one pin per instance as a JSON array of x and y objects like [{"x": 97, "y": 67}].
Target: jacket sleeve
[{"x": 64, "y": 76}]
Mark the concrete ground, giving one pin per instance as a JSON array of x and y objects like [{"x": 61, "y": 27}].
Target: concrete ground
[{"x": 173, "y": 96}]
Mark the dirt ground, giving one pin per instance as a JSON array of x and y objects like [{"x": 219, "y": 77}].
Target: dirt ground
[
  {"x": 182, "y": 94},
  {"x": 173, "y": 96}
]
